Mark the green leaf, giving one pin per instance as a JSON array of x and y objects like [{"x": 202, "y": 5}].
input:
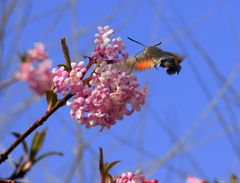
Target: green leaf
[
  {"x": 101, "y": 163},
  {"x": 25, "y": 147},
  {"x": 51, "y": 98},
  {"x": 48, "y": 154},
  {"x": 66, "y": 53},
  {"x": 109, "y": 166},
  {"x": 37, "y": 143}
]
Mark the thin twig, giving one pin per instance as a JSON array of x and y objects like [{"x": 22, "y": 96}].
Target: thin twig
[
  {"x": 211, "y": 105},
  {"x": 78, "y": 159},
  {"x": 217, "y": 111},
  {"x": 5, "y": 16},
  {"x": 16, "y": 39},
  {"x": 7, "y": 83},
  {"x": 220, "y": 117}
]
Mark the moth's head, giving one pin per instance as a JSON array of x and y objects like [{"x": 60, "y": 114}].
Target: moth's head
[
  {"x": 173, "y": 66},
  {"x": 174, "y": 69}
]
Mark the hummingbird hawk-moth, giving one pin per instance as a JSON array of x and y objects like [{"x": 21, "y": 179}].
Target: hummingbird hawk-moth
[{"x": 152, "y": 56}]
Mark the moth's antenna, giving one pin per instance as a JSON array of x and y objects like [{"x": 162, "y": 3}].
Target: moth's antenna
[
  {"x": 136, "y": 41},
  {"x": 157, "y": 44}
]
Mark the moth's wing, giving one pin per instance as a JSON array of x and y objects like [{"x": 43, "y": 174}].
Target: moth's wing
[
  {"x": 177, "y": 58},
  {"x": 126, "y": 64},
  {"x": 156, "y": 54}
]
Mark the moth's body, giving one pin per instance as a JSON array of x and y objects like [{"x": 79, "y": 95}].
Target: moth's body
[{"x": 153, "y": 56}]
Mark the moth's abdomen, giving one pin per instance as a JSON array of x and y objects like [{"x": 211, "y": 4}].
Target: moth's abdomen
[{"x": 144, "y": 64}]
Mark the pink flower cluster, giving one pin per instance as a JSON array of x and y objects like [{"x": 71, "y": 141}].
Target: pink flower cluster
[
  {"x": 34, "y": 69},
  {"x": 192, "y": 179},
  {"x": 111, "y": 92},
  {"x": 109, "y": 95},
  {"x": 130, "y": 177},
  {"x": 64, "y": 81},
  {"x": 107, "y": 48},
  {"x": 37, "y": 53}
]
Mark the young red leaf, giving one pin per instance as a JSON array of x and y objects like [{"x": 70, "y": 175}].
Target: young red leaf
[
  {"x": 66, "y": 53},
  {"x": 101, "y": 163}
]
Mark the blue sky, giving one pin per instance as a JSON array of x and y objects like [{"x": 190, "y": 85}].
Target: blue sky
[{"x": 207, "y": 32}]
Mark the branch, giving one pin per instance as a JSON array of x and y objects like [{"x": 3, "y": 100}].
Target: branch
[
  {"x": 39, "y": 122},
  {"x": 7, "y": 181}
]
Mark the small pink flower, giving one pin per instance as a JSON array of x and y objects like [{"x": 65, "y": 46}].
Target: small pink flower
[
  {"x": 130, "y": 177},
  {"x": 40, "y": 79},
  {"x": 37, "y": 53},
  {"x": 192, "y": 179},
  {"x": 25, "y": 69},
  {"x": 64, "y": 81},
  {"x": 60, "y": 81},
  {"x": 36, "y": 73}
]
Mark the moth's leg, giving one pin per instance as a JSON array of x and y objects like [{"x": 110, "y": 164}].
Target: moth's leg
[
  {"x": 132, "y": 67},
  {"x": 155, "y": 66}
]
